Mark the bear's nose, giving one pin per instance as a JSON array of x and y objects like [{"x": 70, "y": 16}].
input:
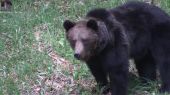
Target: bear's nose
[{"x": 76, "y": 55}]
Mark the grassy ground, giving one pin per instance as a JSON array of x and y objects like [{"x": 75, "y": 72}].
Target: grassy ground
[{"x": 35, "y": 58}]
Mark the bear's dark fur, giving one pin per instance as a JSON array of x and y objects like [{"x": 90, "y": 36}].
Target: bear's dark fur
[{"x": 111, "y": 37}]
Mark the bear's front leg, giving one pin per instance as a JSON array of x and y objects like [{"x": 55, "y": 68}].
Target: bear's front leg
[
  {"x": 118, "y": 80},
  {"x": 116, "y": 64},
  {"x": 100, "y": 75}
]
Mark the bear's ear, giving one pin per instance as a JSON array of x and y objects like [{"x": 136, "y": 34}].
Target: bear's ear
[
  {"x": 92, "y": 24},
  {"x": 68, "y": 24}
]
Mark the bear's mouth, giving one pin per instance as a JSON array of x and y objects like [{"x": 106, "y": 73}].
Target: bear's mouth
[{"x": 82, "y": 57}]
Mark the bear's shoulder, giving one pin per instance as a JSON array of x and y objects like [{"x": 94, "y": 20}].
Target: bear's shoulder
[{"x": 99, "y": 13}]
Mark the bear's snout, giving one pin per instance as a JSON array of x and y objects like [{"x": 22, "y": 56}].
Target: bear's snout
[
  {"x": 78, "y": 50},
  {"x": 77, "y": 56}
]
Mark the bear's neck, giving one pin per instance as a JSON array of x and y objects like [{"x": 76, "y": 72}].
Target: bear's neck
[{"x": 105, "y": 37}]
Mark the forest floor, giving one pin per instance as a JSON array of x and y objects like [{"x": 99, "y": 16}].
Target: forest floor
[{"x": 36, "y": 59}]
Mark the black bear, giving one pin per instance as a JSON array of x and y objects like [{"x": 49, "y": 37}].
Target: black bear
[{"x": 107, "y": 38}]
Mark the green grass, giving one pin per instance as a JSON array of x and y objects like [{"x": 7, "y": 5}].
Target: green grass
[{"x": 23, "y": 68}]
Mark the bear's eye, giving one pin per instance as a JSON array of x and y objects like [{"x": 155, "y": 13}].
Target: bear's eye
[
  {"x": 72, "y": 42},
  {"x": 72, "y": 45},
  {"x": 85, "y": 41}
]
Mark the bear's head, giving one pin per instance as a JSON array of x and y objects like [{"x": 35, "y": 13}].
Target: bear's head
[
  {"x": 83, "y": 37},
  {"x": 87, "y": 37}
]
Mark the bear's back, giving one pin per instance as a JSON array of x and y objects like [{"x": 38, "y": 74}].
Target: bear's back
[{"x": 140, "y": 11}]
